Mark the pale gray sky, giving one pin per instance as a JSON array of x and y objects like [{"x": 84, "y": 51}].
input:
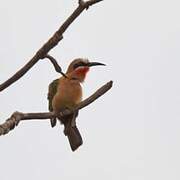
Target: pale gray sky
[{"x": 132, "y": 132}]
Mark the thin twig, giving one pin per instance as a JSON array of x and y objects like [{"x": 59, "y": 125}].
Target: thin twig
[
  {"x": 16, "y": 117},
  {"x": 51, "y": 43},
  {"x": 57, "y": 67}
]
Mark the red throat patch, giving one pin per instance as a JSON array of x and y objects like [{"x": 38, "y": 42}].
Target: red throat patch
[{"x": 82, "y": 71}]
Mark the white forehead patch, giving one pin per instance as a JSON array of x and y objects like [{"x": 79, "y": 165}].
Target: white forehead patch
[{"x": 85, "y": 60}]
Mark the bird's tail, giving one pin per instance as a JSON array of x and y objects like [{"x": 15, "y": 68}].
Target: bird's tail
[
  {"x": 74, "y": 137},
  {"x": 73, "y": 134}
]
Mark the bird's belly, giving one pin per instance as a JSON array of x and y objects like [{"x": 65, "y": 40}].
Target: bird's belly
[{"x": 67, "y": 97}]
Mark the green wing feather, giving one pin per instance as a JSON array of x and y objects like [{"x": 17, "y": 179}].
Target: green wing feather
[{"x": 52, "y": 91}]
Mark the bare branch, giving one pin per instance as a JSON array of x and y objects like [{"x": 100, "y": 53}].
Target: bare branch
[
  {"x": 51, "y": 43},
  {"x": 55, "y": 64},
  {"x": 16, "y": 117}
]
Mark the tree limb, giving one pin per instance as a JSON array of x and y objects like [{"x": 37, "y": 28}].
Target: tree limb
[
  {"x": 51, "y": 43},
  {"x": 16, "y": 117}
]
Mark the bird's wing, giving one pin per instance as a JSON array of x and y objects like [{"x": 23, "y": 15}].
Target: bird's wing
[{"x": 52, "y": 91}]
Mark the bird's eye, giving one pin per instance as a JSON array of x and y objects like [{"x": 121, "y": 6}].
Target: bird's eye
[{"x": 79, "y": 64}]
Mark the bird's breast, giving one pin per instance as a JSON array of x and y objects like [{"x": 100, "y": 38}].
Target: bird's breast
[{"x": 69, "y": 94}]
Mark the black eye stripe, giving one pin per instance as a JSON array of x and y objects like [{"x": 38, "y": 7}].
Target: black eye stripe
[{"x": 79, "y": 64}]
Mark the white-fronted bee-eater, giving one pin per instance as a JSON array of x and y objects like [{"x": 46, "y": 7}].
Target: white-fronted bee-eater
[{"x": 66, "y": 92}]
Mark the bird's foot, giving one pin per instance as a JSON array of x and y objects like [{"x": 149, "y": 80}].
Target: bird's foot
[{"x": 53, "y": 122}]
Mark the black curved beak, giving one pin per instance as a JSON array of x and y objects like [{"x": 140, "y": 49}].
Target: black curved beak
[{"x": 95, "y": 64}]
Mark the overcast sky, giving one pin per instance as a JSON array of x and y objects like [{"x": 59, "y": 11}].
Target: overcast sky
[{"x": 132, "y": 132}]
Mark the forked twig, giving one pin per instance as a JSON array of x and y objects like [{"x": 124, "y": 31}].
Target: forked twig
[{"x": 51, "y": 43}]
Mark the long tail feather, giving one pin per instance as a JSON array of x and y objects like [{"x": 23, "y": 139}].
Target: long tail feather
[
  {"x": 74, "y": 137},
  {"x": 72, "y": 132}
]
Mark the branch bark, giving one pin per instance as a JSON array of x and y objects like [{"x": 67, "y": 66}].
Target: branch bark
[
  {"x": 51, "y": 43},
  {"x": 16, "y": 117}
]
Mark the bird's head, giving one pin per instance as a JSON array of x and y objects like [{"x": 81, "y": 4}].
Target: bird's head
[{"x": 79, "y": 68}]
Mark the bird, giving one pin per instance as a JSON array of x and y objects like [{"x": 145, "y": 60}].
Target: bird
[{"x": 65, "y": 93}]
